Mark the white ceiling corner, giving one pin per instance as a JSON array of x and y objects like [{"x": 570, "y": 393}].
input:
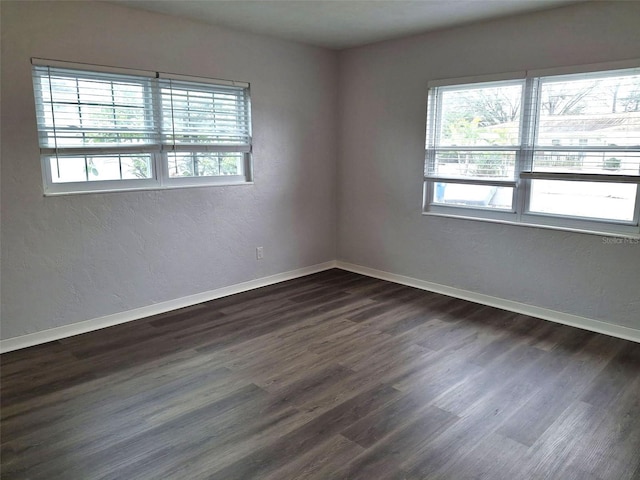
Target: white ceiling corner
[{"x": 340, "y": 24}]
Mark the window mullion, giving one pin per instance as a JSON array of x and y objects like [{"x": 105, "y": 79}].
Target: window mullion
[
  {"x": 159, "y": 158},
  {"x": 524, "y": 161},
  {"x": 434, "y": 135},
  {"x": 636, "y": 210},
  {"x": 49, "y": 178},
  {"x": 433, "y": 102}
]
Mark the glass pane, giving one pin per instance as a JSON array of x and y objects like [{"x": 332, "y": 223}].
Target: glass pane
[
  {"x": 68, "y": 169},
  {"x": 89, "y": 110},
  {"x": 204, "y": 114},
  {"x": 199, "y": 164},
  {"x": 590, "y": 110},
  {"x": 474, "y": 164},
  {"x": 66, "y": 115},
  {"x": 64, "y": 89},
  {"x": 136, "y": 166},
  {"x": 487, "y": 196},
  {"x": 608, "y": 163},
  {"x": 103, "y": 168},
  {"x": 100, "y": 167},
  {"x": 613, "y": 201},
  {"x": 480, "y": 116}
]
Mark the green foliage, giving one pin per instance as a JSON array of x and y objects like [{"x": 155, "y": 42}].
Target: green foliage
[
  {"x": 560, "y": 160},
  {"x": 612, "y": 163},
  {"x": 140, "y": 168},
  {"x": 462, "y": 131},
  {"x": 206, "y": 164},
  {"x": 490, "y": 165},
  {"x": 91, "y": 168}
]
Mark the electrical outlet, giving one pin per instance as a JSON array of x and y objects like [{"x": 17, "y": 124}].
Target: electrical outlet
[{"x": 259, "y": 253}]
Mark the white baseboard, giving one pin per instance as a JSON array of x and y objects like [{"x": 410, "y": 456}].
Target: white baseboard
[
  {"x": 531, "y": 310},
  {"x": 65, "y": 331}
]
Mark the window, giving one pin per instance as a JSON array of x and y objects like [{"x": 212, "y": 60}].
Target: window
[
  {"x": 118, "y": 130},
  {"x": 557, "y": 150}
]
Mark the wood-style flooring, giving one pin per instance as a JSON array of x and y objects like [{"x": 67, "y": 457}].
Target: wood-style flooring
[{"x": 330, "y": 376}]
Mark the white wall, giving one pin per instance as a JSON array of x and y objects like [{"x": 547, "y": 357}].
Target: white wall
[
  {"x": 68, "y": 259},
  {"x": 382, "y": 99}
]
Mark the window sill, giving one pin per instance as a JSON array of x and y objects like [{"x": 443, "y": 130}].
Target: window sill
[
  {"x": 625, "y": 237},
  {"x": 148, "y": 188}
]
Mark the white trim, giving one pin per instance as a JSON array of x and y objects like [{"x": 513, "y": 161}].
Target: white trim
[
  {"x": 49, "y": 193},
  {"x": 585, "y": 68},
  {"x": 584, "y": 177},
  {"x": 65, "y": 331},
  {"x": 539, "y": 312},
  {"x": 191, "y": 78},
  {"x": 481, "y": 216},
  {"x": 43, "y": 62},
  {"x": 538, "y": 72},
  {"x": 497, "y": 77},
  {"x": 472, "y": 181}
]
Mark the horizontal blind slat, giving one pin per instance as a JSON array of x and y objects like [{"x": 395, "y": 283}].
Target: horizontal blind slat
[
  {"x": 80, "y": 111},
  {"x": 580, "y": 124},
  {"x": 201, "y": 114}
]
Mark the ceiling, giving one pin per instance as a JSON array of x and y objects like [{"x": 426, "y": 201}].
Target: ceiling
[{"x": 339, "y": 24}]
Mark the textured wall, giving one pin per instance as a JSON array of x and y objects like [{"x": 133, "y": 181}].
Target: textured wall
[
  {"x": 383, "y": 96},
  {"x": 74, "y": 258},
  {"x": 68, "y": 259}
]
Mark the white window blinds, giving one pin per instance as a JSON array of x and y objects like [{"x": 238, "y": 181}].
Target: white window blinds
[
  {"x": 589, "y": 124},
  {"x": 558, "y": 149},
  {"x": 205, "y": 117},
  {"x": 141, "y": 129},
  {"x": 475, "y": 130},
  {"x": 79, "y": 110}
]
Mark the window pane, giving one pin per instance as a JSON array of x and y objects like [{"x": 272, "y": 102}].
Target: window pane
[
  {"x": 590, "y": 110},
  {"x": 198, "y": 164},
  {"x": 612, "y": 201},
  {"x": 136, "y": 166},
  {"x": 480, "y": 116},
  {"x": 65, "y": 169},
  {"x": 487, "y": 196},
  {"x": 68, "y": 169},
  {"x": 607, "y": 163},
  {"x": 474, "y": 164},
  {"x": 204, "y": 114},
  {"x": 94, "y": 110}
]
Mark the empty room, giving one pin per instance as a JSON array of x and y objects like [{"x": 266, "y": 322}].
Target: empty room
[{"x": 320, "y": 239}]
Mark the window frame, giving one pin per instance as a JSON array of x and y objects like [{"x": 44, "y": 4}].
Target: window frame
[
  {"x": 157, "y": 150},
  {"x": 520, "y": 213}
]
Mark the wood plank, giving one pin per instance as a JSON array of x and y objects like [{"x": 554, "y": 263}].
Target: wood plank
[
  {"x": 321, "y": 462},
  {"x": 300, "y": 441},
  {"x": 544, "y": 408},
  {"x": 384, "y": 459},
  {"x": 334, "y": 375}
]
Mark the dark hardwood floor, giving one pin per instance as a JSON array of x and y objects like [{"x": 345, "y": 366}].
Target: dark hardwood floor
[{"x": 331, "y": 376}]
